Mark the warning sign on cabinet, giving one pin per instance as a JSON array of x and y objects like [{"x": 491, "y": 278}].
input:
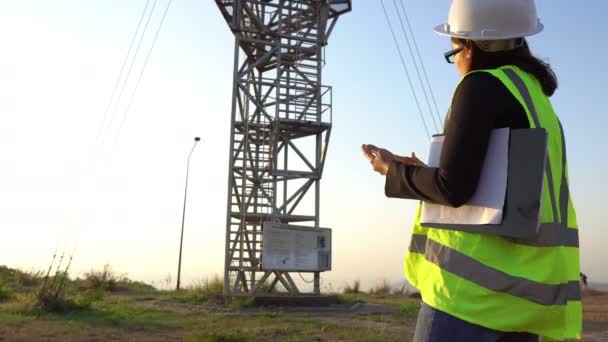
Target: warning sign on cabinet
[{"x": 296, "y": 248}]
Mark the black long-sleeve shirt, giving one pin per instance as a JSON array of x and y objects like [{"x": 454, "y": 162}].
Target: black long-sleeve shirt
[{"x": 481, "y": 103}]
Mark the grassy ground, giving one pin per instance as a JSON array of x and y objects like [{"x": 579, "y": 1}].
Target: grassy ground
[
  {"x": 125, "y": 317},
  {"x": 133, "y": 312},
  {"x": 122, "y": 310}
]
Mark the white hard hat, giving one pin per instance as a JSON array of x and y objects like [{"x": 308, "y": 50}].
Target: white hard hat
[{"x": 491, "y": 20}]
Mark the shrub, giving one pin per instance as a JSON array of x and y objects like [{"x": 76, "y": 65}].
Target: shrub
[
  {"x": 29, "y": 278},
  {"x": 382, "y": 289},
  {"x": 7, "y": 275},
  {"x": 354, "y": 289},
  {"x": 50, "y": 300},
  {"x": 105, "y": 279},
  {"x": 6, "y": 293}
]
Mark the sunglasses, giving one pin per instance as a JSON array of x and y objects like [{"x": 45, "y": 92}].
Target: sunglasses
[{"x": 450, "y": 55}]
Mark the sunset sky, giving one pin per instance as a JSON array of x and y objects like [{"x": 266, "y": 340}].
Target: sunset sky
[{"x": 113, "y": 188}]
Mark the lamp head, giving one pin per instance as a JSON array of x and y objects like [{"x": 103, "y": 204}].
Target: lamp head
[{"x": 197, "y": 139}]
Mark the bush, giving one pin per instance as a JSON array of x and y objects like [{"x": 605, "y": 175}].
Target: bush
[
  {"x": 6, "y": 293},
  {"x": 49, "y": 300},
  {"x": 36, "y": 293},
  {"x": 105, "y": 279},
  {"x": 354, "y": 289},
  {"x": 29, "y": 278},
  {"x": 382, "y": 289},
  {"x": 6, "y": 275}
]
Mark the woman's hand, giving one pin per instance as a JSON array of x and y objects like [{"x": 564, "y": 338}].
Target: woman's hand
[{"x": 381, "y": 158}]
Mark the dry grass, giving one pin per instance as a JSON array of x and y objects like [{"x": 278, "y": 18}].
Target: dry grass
[
  {"x": 205, "y": 291},
  {"x": 33, "y": 291},
  {"x": 214, "y": 285},
  {"x": 382, "y": 289},
  {"x": 209, "y": 290},
  {"x": 29, "y": 278},
  {"x": 352, "y": 289},
  {"x": 105, "y": 279},
  {"x": 18, "y": 279}
]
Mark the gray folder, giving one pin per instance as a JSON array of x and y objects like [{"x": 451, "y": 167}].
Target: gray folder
[{"x": 525, "y": 177}]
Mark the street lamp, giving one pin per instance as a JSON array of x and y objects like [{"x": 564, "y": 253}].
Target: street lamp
[{"x": 181, "y": 240}]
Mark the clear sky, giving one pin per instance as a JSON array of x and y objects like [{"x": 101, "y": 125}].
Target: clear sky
[{"x": 118, "y": 195}]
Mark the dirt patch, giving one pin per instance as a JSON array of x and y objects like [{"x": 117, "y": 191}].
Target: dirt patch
[
  {"x": 313, "y": 311},
  {"x": 45, "y": 331},
  {"x": 369, "y": 316},
  {"x": 595, "y": 316},
  {"x": 182, "y": 307}
]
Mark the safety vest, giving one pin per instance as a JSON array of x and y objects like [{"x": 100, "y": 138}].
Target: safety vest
[{"x": 502, "y": 283}]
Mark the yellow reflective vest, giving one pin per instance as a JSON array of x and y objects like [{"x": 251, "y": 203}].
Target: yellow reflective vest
[{"x": 503, "y": 283}]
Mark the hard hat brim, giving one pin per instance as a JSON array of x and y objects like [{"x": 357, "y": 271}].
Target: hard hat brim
[{"x": 443, "y": 31}]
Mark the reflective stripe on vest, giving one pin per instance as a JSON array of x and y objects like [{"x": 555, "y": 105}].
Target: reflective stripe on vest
[
  {"x": 502, "y": 283},
  {"x": 523, "y": 90},
  {"x": 558, "y": 234},
  {"x": 471, "y": 269}
]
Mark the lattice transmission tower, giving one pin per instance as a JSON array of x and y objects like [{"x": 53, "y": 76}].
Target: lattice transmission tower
[{"x": 280, "y": 128}]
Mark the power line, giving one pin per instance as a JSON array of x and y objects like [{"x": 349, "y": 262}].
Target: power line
[
  {"x": 141, "y": 38},
  {"x": 122, "y": 68},
  {"x": 407, "y": 20},
  {"x": 115, "y": 100},
  {"x": 409, "y": 46},
  {"x": 124, "y": 117},
  {"x": 407, "y": 74},
  {"x": 109, "y": 114}
]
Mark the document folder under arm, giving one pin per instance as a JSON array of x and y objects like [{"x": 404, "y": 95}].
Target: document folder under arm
[{"x": 525, "y": 177}]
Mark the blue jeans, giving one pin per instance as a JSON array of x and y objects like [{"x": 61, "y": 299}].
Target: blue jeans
[{"x": 437, "y": 326}]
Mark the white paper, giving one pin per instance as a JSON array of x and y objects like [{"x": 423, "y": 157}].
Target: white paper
[{"x": 486, "y": 205}]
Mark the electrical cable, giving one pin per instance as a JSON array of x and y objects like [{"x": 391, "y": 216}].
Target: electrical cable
[
  {"x": 122, "y": 68},
  {"x": 114, "y": 101},
  {"x": 407, "y": 20},
  {"x": 409, "y": 46},
  {"x": 124, "y": 116},
  {"x": 405, "y": 67},
  {"x": 304, "y": 280},
  {"x": 141, "y": 38}
]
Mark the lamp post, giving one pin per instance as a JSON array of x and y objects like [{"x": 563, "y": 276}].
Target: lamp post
[{"x": 181, "y": 240}]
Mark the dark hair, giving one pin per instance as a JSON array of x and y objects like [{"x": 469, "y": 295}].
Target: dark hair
[{"x": 521, "y": 57}]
